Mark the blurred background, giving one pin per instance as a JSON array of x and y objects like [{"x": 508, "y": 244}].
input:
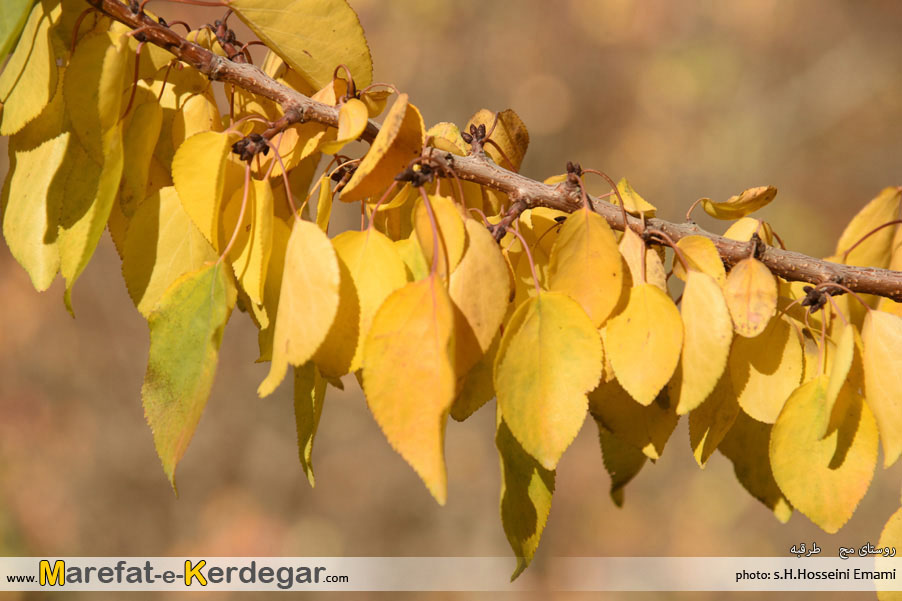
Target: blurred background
[{"x": 687, "y": 99}]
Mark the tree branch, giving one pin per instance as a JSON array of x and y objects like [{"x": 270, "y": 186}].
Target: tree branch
[{"x": 477, "y": 168}]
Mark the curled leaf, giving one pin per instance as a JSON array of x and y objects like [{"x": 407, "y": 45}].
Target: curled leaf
[{"x": 740, "y": 205}]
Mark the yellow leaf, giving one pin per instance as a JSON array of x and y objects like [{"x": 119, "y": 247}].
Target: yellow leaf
[
  {"x": 875, "y": 251},
  {"x": 751, "y": 295},
  {"x": 740, "y": 205},
  {"x": 312, "y": 36},
  {"x": 585, "y": 264},
  {"x": 743, "y": 230},
  {"x": 336, "y": 354},
  {"x": 549, "y": 358},
  {"x": 408, "y": 376},
  {"x": 161, "y": 245},
  {"x": 90, "y": 191},
  {"x": 250, "y": 253},
  {"x": 452, "y": 237},
  {"x": 139, "y": 139},
  {"x": 197, "y": 114},
  {"x": 414, "y": 261},
  {"x": 823, "y": 478},
  {"x": 710, "y": 421},
  {"x": 446, "y": 136},
  {"x": 526, "y": 490},
  {"x": 632, "y": 248},
  {"x": 635, "y": 204},
  {"x": 510, "y": 134},
  {"x": 890, "y": 537},
  {"x": 308, "y": 301},
  {"x": 702, "y": 255},
  {"x": 31, "y": 213},
  {"x": 198, "y": 171},
  {"x": 93, "y": 86},
  {"x": 324, "y": 204},
  {"x": 377, "y": 270},
  {"x": 766, "y": 369},
  {"x": 644, "y": 342},
  {"x": 839, "y": 366},
  {"x": 622, "y": 461},
  {"x": 746, "y": 445},
  {"x": 645, "y": 428},
  {"x": 480, "y": 289},
  {"x": 352, "y": 120},
  {"x": 476, "y": 387},
  {"x": 272, "y": 289},
  {"x": 399, "y": 140},
  {"x": 707, "y": 333},
  {"x": 12, "y": 21},
  {"x": 185, "y": 334},
  {"x": 309, "y": 394},
  {"x": 882, "y": 358},
  {"x": 28, "y": 81}
]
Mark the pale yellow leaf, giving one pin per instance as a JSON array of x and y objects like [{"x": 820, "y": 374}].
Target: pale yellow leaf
[
  {"x": 644, "y": 342},
  {"x": 751, "y": 295},
  {"x": 882, "y": 358},
  {"x": 876, "y": 250},
  {"x": 199, "y": 173},
  {"x": 740, "y": 205},
  {"x": 701, "y": 255}
]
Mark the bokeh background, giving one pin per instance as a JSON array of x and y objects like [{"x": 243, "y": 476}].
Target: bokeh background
[{"x": 687, "y": 99}]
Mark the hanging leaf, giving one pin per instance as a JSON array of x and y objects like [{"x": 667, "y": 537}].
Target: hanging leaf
[
  {"x": 876, "y": 250},
  {"x": 746, "y": 445},
  {"x": 550, "y": 357},
  {"x": 823, "y": 478},
  {"x": 324, "y": 204},
  {"x": 352, "y": 120},
  {"x": 764, "y": 370},
  {"x": 197, "y": 114},
  {"x": 839, "y": 368},
  {"x": 644, "y": 342},
  {"x": 476, "y": 387},
  {"x": 334, "y": 356},
  {"x": 28, "y": 81},
  {"x": 185, "y": 334},
  {"x": 526, "y": 490},
  {"x": 308, "y": 301},
  {"x": 710, "y": 422},
  {"x": 702, "y": 255},
  {"x": 199, "y": 174},
  {"x": 399, "y": 140},
  {"x": 707, "y": 333},
  {"x": 13, "y": 15},
  {"x": 452, "y": 235},
  {"x": 30, "y": 218},
  {"x": 632, "y": 249},
  {"x": 309, "y": 393},
  {"x": 890, "y": 537},
  {"x": 740, "y": 205},
  {"x": 645, "y": 428},
  {"x": 376, "y": 270},
  {"x": 751, "y": 295},
  {"x": 480, "y": 289},
  {"x": 412, "y": 336},
  {"x": 250, "y": 253},
  {"x": 138, "y": 141},
  {"x": 446, "y": 136},
  {"x": 312, "y": 36},
  {"x": 585, "y": 265},
  {"x": 162, "y": 244},
  {"x": 622, "y": 461},
  {"x": 882, "y": 339}
]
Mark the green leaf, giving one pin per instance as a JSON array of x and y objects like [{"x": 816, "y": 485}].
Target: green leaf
[
  {"x": 309, "y": 393},
  {"x": 185, "y": 334},
  {"x": 13, "y": 14},
  {"x": 312, "y": 36},
  {"x": 526, "y": 489}
]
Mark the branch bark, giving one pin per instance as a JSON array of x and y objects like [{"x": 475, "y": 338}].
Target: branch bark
[{"x": 477, "y": 168}]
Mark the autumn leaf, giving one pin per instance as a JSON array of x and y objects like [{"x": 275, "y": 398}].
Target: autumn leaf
[
  {"x": 646, "y": 428},
  {"x": 882, "y": 339},
  {"x": 740, "y": 205},
  {"x": 550, "y": 357},
  {"x": 308, "y": 301},
  {"x": 702, "y": 255},
  {"x": 199, "y": 175},
  {"x": 412, "y": 333},
  {"x": 751, "y": 295},
  {"x": 309, "y": 393},
  {"x": 823, "y": 478},
  {"x": 876, "y": 250},
  {"x": 622, "y": 461},
  {"x": 644, "y": 342},
  {"x": 185, "y": 334}
]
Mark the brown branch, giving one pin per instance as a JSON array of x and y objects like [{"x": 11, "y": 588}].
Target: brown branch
[{"x": 476, "y": 168}]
